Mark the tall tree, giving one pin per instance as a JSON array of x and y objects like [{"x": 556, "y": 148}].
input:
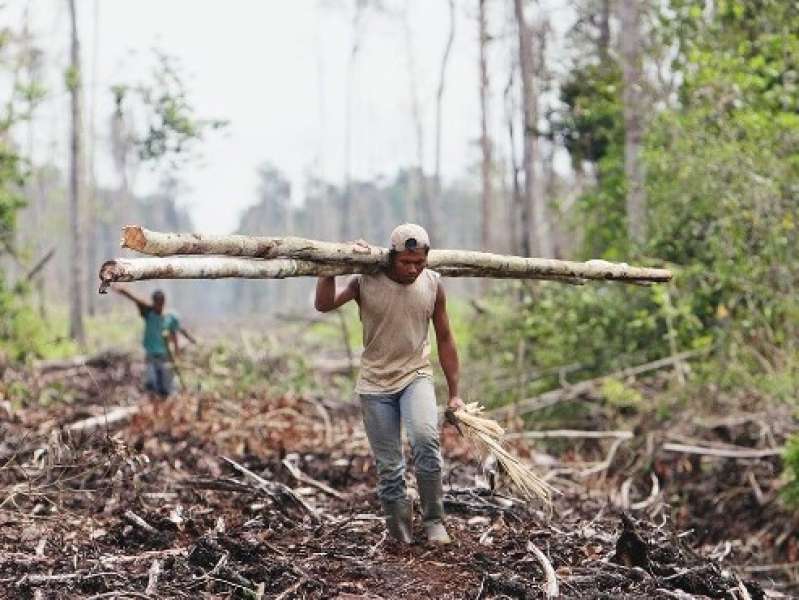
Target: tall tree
[
  {"x": 631, "y": 59},
  {"x": 435, "y": 207},
  {"x": 515, "y": 208},
  {"x": 486, "y": 165},
  {"x": 603, "y": 39},
  {"x": 76, "y": 329},
  {"x": 418, "y": 198},
  {"x": 530, "y": 242},
  {"x": 545, "y": 190},
  {"x": 92, "y": 208},
  {"x": 352, "y": 72}
]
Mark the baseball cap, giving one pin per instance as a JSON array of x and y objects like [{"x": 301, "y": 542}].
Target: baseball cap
[{"x": 409, "y": 236}]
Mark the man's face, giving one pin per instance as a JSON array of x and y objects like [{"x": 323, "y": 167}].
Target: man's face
[
  {"x": 409, "y": 264},
  {"x": 158, "y": 304}
]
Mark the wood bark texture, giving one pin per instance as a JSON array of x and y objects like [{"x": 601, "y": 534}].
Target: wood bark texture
[
  {"x": 631, "y": 57},
  {"x": 297, "y": 257},
  {"x": 76, "y": 330}
]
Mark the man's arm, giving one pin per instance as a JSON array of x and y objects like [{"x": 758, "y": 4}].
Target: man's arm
[
  {"x": 173, "y": 337},
  {"x": 328, "y": 297},
  {"x": 447, "y": 352},
  {"x": 142, "y": 304},
  {"x": 187, "y": 335}
]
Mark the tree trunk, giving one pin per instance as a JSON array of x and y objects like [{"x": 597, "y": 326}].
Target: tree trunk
[
  {"x": 345, "y": 226},
  {"x": 631, "y": 57},
  {"x": 542, "y": 198},
  {"x": 76, "y": 330},
  {"x": 604, "y": 32},
  {"x": 91, "y": 216},
  {"x": 514, "y": 205},
  {"x": 485, "y": 140},
  {"x": 421, "y": 196},
  {"x": 530, "y": 225},
  {"x": 436, "y": 205}
]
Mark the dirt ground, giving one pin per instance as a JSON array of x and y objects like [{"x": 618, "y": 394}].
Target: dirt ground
[{"x": 270, "y": 496}]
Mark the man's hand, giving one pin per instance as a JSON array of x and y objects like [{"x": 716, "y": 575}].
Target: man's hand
[
  {"x": 361, "y": 247},
  {"x": 455, "y": 403}
]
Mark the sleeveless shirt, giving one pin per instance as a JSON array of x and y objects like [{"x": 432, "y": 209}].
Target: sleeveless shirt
[{"x": 396, "y": 319}]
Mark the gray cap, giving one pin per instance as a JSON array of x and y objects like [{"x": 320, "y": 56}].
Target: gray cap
[{"x": 409, "y": 236}]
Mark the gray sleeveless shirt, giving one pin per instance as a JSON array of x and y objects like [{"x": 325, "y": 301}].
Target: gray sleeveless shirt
[{"x": 396, "y": 319}]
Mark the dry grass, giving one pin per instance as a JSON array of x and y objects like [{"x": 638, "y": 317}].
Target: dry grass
[{"x": 488, "y": 434}]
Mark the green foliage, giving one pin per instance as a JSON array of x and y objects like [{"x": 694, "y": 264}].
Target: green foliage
[
  {"x": 620, "y": 396},
  {"x": 721, "y": 170},
  {"x": 591, "y": 128},
  {"x": 790, "y": 491},
  {"x": 171, "y": 129},
  {"x": 591, "y": 122}
]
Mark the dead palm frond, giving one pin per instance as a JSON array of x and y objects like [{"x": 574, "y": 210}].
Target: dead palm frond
[{"x": 488, "y": 434}]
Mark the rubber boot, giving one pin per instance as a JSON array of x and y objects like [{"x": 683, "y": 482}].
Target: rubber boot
[
  {"x": 399, "y": 520},
  {"x": 431, "y": 497}
]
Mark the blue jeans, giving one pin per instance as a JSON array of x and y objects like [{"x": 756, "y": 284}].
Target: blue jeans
[
  {"x": 158, "y": 378},
  {"x": 413, "y": 407}
]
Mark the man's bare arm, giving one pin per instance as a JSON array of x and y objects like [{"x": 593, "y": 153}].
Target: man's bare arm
[
  {"x": 187, "y": 335},
  {"x": 142, "y": 304},
  {"x": 447, "y": 351},
  {"x": 329, "y": 297},
  {"x": 173, "y": 337}
]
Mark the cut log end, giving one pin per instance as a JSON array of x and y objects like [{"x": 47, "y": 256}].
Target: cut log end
[
  {"x": 109, "y": 273},
  {"x": 133, "y": 237}
]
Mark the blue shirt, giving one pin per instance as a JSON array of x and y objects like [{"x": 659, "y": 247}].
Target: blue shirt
[{"x": 155, "y": 326}]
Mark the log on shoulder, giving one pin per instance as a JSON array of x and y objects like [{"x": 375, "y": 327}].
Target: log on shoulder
[
  {"x": 156, "y": 243},
  {"x": 346, "y": 257},
  {"x": 220, "y": 267},
  {"x": 217, "y": 267}
]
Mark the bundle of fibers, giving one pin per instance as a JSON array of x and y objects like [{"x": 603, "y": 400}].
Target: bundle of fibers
[{"x": 487, "y": 434}]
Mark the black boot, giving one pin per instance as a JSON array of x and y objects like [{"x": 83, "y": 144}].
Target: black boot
[
  {"x": 399, "y": 520},
  {"x": 431, "y": 496}
]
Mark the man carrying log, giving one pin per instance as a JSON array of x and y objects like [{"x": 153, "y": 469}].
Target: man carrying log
[
  {"x": 160, "y": 329},
  {"x": 395, "y": 383}
]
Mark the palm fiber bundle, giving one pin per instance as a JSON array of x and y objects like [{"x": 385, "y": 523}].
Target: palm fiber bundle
[{"x": 488, "y": 434}]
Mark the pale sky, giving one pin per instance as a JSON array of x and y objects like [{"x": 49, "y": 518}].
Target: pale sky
[{"x": 277, "y": 70}]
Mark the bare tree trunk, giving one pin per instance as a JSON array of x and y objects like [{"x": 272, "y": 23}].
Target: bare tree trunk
[
  {"x": 352, "y": 65},
  {"x": 541, "y": 205},
  {"x": 91, "y": 217},
  {"x": 514, "y": 208},
  {"x": 418, "y": 197},
  {"x": 486, "y": 166},
  {"x": 76, "y": 330},
  {"x": 530, "y": 242},
  {"x": 435, "y": 207},
  {"x": 631, "y": 57},
  {"x": 604, "y": 31},
  {"x": 32, "y": 64}
]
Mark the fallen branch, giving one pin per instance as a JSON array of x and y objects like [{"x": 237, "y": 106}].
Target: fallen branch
[
  {"x": 272, "y": 488},
  {"x": 555, "y": 396},
  {"x": 723, "y": 452},
  {"x": 301, "y": 477},
  {"x": 136, "y": 520},
  {"x": 112, "y": 417},
  {"x": 569, "y": 433},
  {"x": 101, "y": 360},
  {"x": 152, "y": 578},
  {"x": 551, "y": 589}
]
